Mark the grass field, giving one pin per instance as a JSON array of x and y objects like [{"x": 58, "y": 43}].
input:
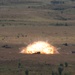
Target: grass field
[{"x": 36, "y": 64}]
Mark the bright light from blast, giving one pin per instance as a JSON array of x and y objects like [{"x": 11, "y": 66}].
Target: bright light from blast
[{"x": 39, "y": 47}]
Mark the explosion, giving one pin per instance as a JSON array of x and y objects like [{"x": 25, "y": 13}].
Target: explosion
[{"x": 39, "y": 47}]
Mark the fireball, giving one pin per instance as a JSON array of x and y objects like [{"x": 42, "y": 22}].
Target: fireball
[{"x": 39, "y": 47}]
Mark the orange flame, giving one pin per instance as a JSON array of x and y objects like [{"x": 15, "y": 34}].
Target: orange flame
[{"x": 41, "y": 47}]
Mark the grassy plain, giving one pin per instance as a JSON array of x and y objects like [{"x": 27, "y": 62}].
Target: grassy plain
[{"x": 23, "y": 22}]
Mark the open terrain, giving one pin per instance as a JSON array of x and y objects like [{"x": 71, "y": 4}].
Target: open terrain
[{"x": 25, "y": 21}]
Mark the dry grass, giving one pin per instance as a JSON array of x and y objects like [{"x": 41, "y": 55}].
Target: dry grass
[
  {"x": 36, "y": 64},
  {"x": 26, "y": 22}
]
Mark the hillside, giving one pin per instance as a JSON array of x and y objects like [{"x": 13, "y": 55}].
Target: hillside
[{"x": 37, "y": 12}]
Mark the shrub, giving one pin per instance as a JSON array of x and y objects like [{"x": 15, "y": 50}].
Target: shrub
[
  {"x": 60, "y": 69},
  {"x": 66, "y": 64},
  {"x": 26, "y": 72},
  {"x": 19, "y": 65}
]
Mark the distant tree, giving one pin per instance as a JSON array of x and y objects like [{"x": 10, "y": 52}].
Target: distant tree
[
  {"x": 66, "y": 24},
  {"x": 3, "y": 25},
  {"x": 26, "y": 72},
  {"x": 28, "y": 6},
  {"x": 61, "y": 65},
  {"x": 73, "y": 51},
  {"x": 65, "y": 44},
  {"x": 19, "y": 65},
  {"x": 72, "y": 0},
  {"x": 52, "y": 73},
  {"x": 60, "y": 69},
  {"x": 18, "y": 36},
  {"x": 66, "y": 64}
]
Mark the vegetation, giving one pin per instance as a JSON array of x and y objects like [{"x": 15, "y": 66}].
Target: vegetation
[
  {"x": 25, "y": 21},
  {"x": 32, "y": 68},
  {"x": 26, "y": 72},
  {"x": 56, "y": 11}
]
